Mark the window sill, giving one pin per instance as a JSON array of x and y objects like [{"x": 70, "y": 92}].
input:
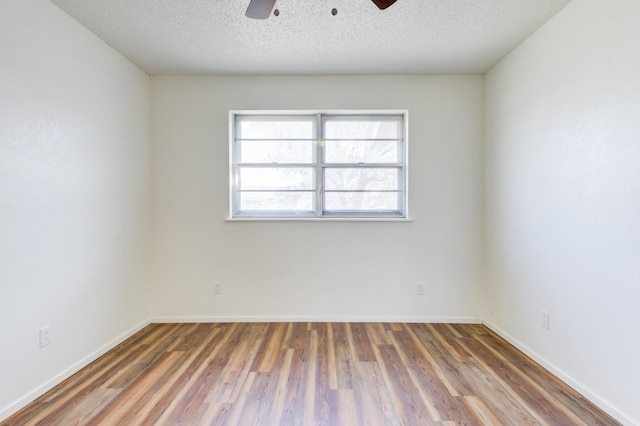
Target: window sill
[{"x": 318, "y": 219}]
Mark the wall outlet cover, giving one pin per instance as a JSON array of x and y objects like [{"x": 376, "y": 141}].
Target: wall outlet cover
[{"x": 45, "y": 336}]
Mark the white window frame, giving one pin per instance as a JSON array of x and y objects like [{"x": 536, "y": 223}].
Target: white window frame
[{"x": 320, "y": 166}]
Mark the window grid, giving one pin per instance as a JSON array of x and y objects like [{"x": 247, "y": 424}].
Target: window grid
[{"x": 320, "y": 166}]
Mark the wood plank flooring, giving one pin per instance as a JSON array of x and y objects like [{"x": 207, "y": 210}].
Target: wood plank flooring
[{"x": 312, "y": 374}]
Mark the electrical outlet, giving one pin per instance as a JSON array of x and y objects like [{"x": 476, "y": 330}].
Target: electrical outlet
[
  {"x": 217, "y": 287},
  {"x": 545, "y": 320},
  {"x": 420, "y": 289},
  {"x": 45, "y": 336}
]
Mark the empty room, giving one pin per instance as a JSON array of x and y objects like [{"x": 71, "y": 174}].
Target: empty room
[{"x": 411, "y": 212}]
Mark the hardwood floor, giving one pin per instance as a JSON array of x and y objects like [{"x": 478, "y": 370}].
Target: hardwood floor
[{"x": 312, "y": 374}]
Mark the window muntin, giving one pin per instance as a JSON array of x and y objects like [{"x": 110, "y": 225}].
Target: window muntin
[{"x": 318, "y": 164}]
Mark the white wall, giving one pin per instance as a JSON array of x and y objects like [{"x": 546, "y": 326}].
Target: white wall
[
  {"x": 74, "y": 196},
  {"x": 563, "y": 199},
  {"x": 330, "y": 271}
]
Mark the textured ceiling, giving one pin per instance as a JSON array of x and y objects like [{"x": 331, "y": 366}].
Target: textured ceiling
[{"x": 412, "y": 36}]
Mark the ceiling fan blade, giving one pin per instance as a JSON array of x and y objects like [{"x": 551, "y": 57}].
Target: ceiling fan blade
[
  {"x": 383, "y": 4},
  {"x": 260, "y": 9}
]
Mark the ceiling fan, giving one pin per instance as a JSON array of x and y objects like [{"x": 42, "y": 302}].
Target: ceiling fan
[{"x": 261, "y": 9}]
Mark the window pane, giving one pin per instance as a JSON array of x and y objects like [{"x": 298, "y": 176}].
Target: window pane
[
  {"x": 275, "y": 128},
  {"x": 361, "y": 151},
  {"x": 361, "y": 129},
  {"x": 285, "y": 151},
  {"x": 360, "y": 179},
  {"x": 361, "y": 201},
  {"x": 277, "y": 201},
  {"x": 265, "y": 178}
]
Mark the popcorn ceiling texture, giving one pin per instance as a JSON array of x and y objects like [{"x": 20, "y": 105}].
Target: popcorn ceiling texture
[{"x": 412, "y": 36}]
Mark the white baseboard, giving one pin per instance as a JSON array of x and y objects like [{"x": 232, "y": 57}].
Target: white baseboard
[
  {"x": 350, "y": 318},
  {"x": 566, "y": 378},
  {"x": 59, "y": 378}
]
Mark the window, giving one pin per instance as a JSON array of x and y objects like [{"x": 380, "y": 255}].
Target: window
[{"x": 318, "y": 165}]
